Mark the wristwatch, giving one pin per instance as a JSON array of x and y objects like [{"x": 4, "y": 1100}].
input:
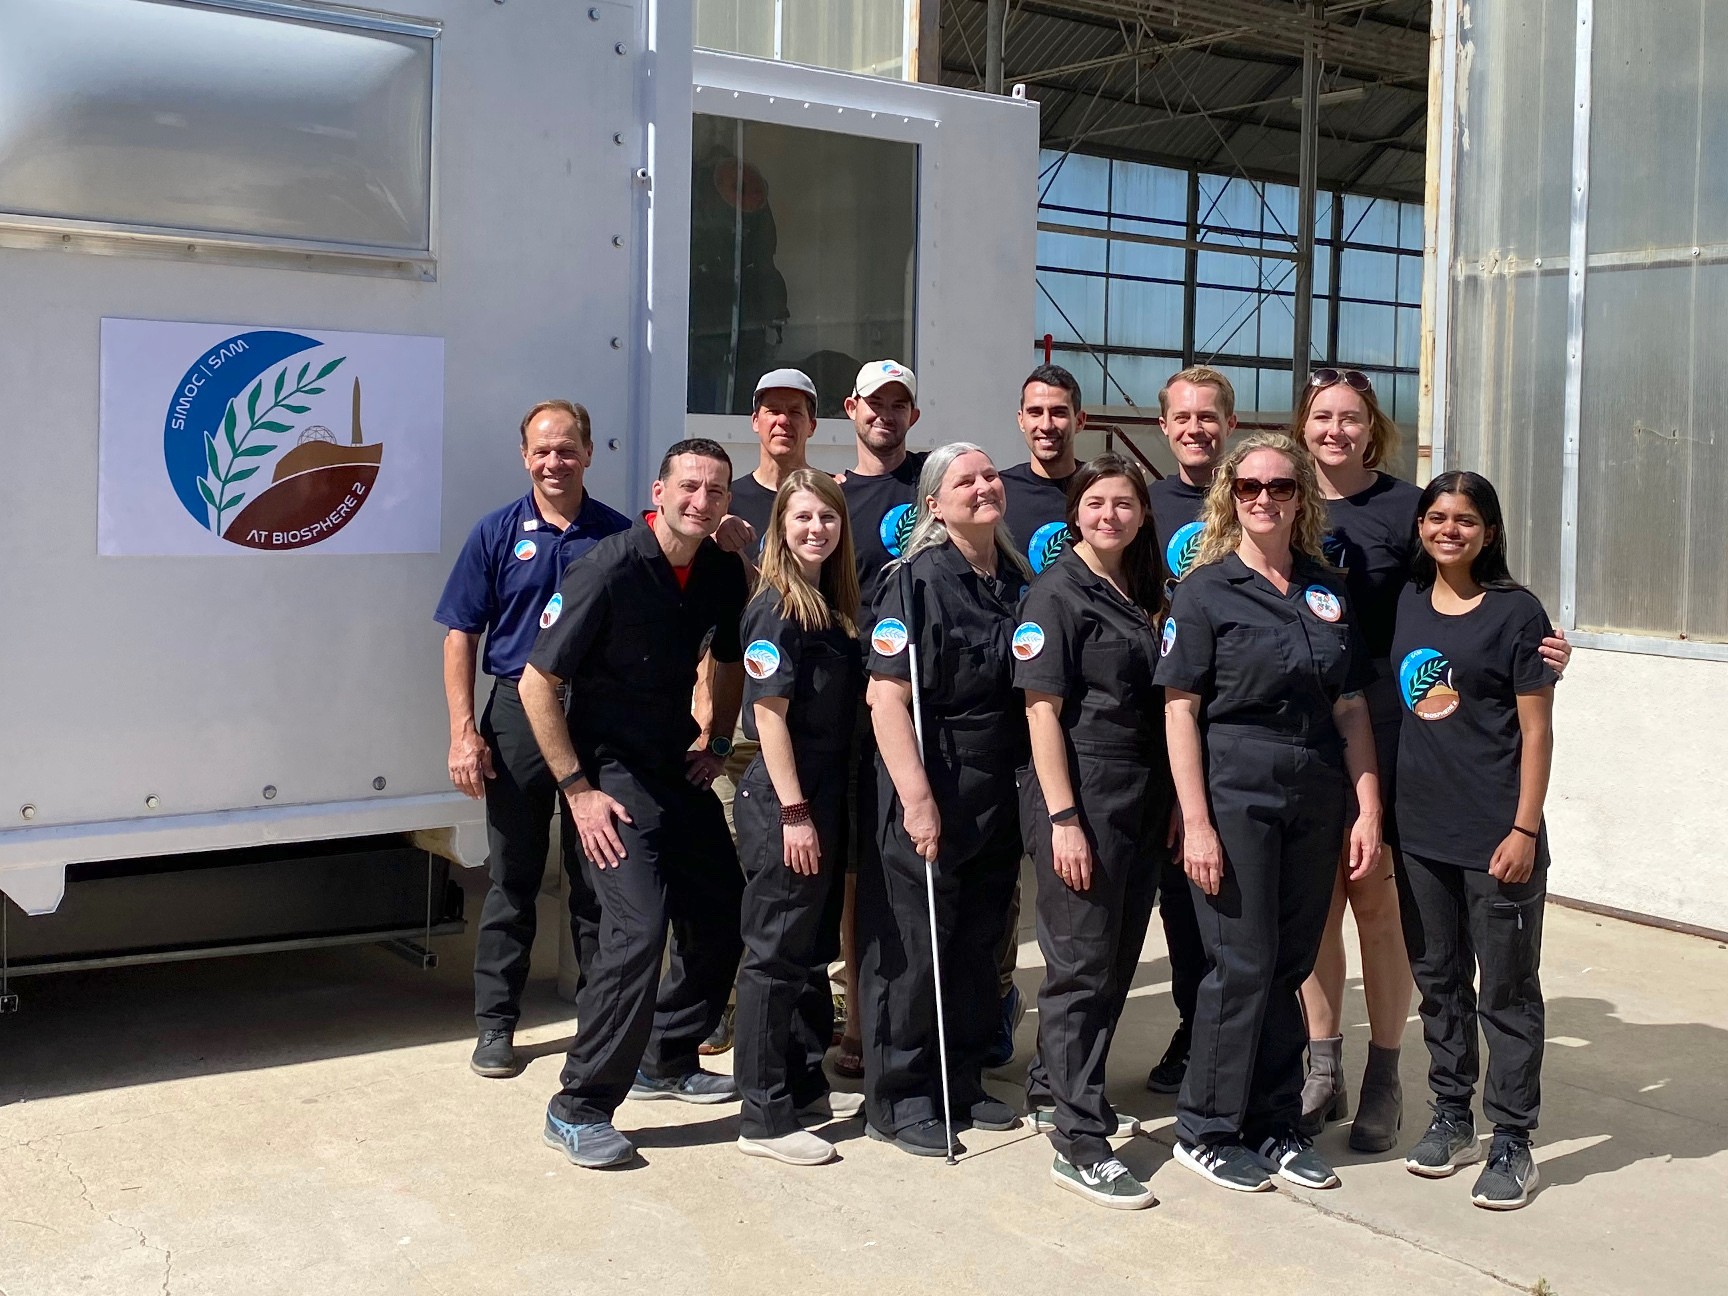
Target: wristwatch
[{"x": 720, "y": 745}]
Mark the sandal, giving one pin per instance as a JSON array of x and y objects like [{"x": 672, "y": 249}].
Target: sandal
[{"x": 849, "y": 1061}]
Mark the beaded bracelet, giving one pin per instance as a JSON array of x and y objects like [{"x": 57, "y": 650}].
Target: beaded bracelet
[{"x": 796, "y": 813}]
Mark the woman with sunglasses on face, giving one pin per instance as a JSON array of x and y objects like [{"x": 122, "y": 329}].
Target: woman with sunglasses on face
[
  {"x": 1263, "y": 666},
  {"x": 1094, "y": 808},
  {"x": 1474, "y": 754},
  {"x": 1370, "y": 535},
  {"x": 803, "y": 677},
  {"x": 953, "y": 595}
]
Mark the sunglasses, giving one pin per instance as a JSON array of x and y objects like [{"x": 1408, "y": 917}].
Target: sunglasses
[
  {"x": 1247, "y": 489},
  {"x": 1354, "y": 379}
]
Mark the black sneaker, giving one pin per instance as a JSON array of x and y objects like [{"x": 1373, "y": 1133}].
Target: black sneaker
[
  {"x": 1292, "y": 1156},
  {"x": 1510, "y": 1176},
  {"x": 697, "y": 1087},
  {"x": 926, "y": 1139},
  {"x": 1166, "y": 1077},
  {"x": 1229, "y": 1165},
  {"x": 1449, "y": 1144},
  {"x": 988, "y": 1114},
  {"x": 495, "y": 1054},
  {"x": 1108, "y": 1183}
]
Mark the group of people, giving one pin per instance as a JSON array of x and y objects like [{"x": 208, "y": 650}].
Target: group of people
[{"x": 1276, "y": 683}]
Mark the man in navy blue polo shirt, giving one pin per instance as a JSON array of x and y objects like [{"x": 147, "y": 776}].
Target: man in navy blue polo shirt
[{"x": 508, "y": 570}]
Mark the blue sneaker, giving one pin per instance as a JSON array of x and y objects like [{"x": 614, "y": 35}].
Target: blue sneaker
[
  {"x": 1002, "y": 1049},
  {"x": 593, "y": 1147},
  {"x": 697, "y": 1087}
]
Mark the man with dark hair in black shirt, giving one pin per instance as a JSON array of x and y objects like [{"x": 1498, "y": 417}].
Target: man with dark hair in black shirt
[
  {"x": 625, "y": 633},
  {"x": 1050, "y": 419}
]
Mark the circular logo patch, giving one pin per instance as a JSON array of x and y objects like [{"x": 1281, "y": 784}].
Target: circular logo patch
[
  {"x": 889, "y": 637},
  {"x": 525, "y": 549},
  {"x": 1167, "y": 640},
  {"x": 896, "y": 529},
  {"x": 1179, "y": 554},
  {"x": 761, "y": 659},
  {"x": 1048, "y": 542},
  {"x": 1425, "y": 683},
  {"x": 1323, "y": 603},
  {"x": 554, "y": 607},
  {"x": 1028, "y": 640}
]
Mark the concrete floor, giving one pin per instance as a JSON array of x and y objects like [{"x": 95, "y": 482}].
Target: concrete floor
[{"x": 306, "y": 1123}]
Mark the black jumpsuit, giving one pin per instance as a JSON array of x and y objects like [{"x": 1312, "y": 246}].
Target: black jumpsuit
[
  {"x": 791, "y": 922},
  {"x": 974, "y": 741},
  {"x": 627, "y": 639},
  {"x": 1268, "y": 668},
  {"x": 1083, "y": 642}
]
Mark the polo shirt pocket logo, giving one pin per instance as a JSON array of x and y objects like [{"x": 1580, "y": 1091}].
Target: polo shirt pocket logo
[
  {"x": 1323, "y": 603},
  {"x": 525, "y": 549}
]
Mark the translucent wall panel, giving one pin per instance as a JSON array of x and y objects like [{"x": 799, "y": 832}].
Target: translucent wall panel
[
  {"x": 802, "y": 252},
  {"x": 1070, "y": 307},
  {"x": 868, "y": 36},
  {"x": 183, "y": 118}
]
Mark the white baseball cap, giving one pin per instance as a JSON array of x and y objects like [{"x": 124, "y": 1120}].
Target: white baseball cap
[
  {"x": 879, "y": 373},
  {"x": 788, "y": 379}
]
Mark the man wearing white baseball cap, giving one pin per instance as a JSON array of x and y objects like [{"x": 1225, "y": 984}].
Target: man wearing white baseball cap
[
  {"x": 782, "y": 415},
  {"x": 880, "y": 491}
]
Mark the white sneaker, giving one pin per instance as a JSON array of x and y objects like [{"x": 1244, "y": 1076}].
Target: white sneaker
[
  {"x": 800, "y": 1147},
  {"x": 836, "y": 1104}
]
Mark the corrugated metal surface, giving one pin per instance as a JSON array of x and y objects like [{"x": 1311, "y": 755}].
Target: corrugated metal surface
[{"x": 1210, "y": 83}]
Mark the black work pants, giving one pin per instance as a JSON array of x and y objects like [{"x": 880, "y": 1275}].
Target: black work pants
[
  {"x": 1092, "y": 939},
  {"x": 791, "y": 925},
  {"x": 679, "y": 867},
  {"x": 1476, "y": 951},
  {"x": 521, "y": 799},
  {"x": 974, "y": 876},
  {"x": 1181, "y": 933},
  {"x": 1278, "y": 807}
]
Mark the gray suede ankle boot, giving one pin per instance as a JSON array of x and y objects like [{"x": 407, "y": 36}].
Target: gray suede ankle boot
[
  {"x": 1323, "y": 1096},
  {"x": 1380, "y": 1106}
]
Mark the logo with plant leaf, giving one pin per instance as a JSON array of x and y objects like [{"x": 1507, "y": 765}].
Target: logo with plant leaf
[
  {"x": 1425, "y": 681},
  {"x": 896, "y": 528},
  {"x": 1183, "y": 548},
  {"x": 1048, "y": 542},
  {"x": 249, "y": 446}
]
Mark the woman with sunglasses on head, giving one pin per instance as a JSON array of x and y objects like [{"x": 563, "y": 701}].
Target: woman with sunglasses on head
[
  {"x": 1263, "y": 666},
  {"x": 952, "y": 596},
  {"x": 803, "y": 677},
  {"x": 1474, "y": 753},
  {"x": 1094, "y": 808},
  {"x": 1370, "y": 535}
]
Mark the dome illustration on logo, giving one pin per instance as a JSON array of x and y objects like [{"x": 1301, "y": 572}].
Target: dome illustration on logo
[
  {"x": 1184, "y": 546},
  {"x": 1048, "y": 542},
  {"x": 227, "y": 423},
  {"x": 1425, "y": 682},
  {"x": 896, "y": 529}
]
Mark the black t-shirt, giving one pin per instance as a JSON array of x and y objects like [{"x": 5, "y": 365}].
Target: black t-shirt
[
  {"x": 1371, "y": 536},
  {"x": 964, "y": 624},
  {"x": 880, "y": 508},
  {"x": 753, "y": 502},
  {"x": 1083, "y": 642},
  {"x": 1037, "y": 513},
  {"x": 821, "y": 672},
  {"x": 1176, "y": 521},
  {"x": 1260, "y": 659},
  {"x": 1460, "y": 744},
  {"x": 626, "y": 639}
]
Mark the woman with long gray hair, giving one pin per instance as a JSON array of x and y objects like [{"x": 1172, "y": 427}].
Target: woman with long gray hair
[{"x": 951, "y": 602}]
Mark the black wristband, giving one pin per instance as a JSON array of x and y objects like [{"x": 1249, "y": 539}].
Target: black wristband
[
  {"x": 1063, "y": 816},
  {"x": 1517, "y": 828},
  {"x": 570, "y": 780}
]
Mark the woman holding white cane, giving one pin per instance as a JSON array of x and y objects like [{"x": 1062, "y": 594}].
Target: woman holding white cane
[{"x": 948, "y": 826}]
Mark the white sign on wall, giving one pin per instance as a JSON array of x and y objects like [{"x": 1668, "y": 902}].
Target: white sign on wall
[{"x": 229, "y": 439}]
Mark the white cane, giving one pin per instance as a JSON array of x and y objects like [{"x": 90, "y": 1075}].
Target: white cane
[{"x": 929, "y": 875}]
